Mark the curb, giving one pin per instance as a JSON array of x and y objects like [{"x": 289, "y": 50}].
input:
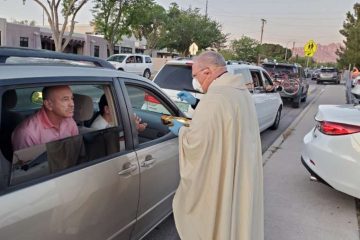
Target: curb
[{"x": 287, "y": 132}]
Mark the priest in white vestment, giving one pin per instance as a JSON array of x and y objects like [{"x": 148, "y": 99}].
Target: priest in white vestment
[{"x": 220, "y": 195}]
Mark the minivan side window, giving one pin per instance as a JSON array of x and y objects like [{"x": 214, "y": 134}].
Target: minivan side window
[
  {"x": 139, "y": 59},
  {"x": 148, "y": 60},
  {"x": 149, "y": 107},
  {"x": 76, "y": 141},
  {"x": 130, "y": 59},
  {"x": 257, "y": 80}
]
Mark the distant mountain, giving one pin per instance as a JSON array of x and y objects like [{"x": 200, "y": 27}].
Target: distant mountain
[{"x": 324, "y": 53}]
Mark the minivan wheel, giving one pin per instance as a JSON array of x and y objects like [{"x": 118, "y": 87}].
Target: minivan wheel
[
  {"x": 147, "y": 73},
  {"x": 120, "y": 69},
  {"x": 277, "y": 120}
]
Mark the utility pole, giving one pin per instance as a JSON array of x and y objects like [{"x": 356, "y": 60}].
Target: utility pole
[
  {"x": 263, "y": 21},
  {"x": 293, "y": 47},
  {"x": 206, "y": 9}
]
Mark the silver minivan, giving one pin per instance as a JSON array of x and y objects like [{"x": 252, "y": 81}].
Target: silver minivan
[{"x": 113, "y": 183}]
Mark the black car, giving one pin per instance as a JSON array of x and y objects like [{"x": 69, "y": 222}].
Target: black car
[{"x": 293, "y": 80}]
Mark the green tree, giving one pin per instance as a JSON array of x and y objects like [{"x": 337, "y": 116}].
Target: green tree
[
  {"x": 187, "y": 26},
  {"x": 245, "y": 49},
  {"x": 111, "y": 20},
  {"x": 228, "y": 54},
  {"x": 147, "y": 20},
  {"x": 68, "y": 9},
  {"x": 349, "y": 53},
  {"x": 275, "y": 52}
]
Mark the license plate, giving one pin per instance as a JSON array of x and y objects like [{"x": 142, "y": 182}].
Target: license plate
[{"x": 184, "y": 107}]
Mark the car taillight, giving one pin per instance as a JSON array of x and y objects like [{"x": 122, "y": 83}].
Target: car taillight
[
  {"x": 331, "y": 128},
  {"x": 149, "y": 98}
]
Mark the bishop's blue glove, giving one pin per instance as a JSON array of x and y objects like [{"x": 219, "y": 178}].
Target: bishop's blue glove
[
  {"x": 176, "y": 127},
  {"x": 187, "y": 97}
]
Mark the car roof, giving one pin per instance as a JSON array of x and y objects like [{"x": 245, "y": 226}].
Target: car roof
[
  {"x": 229, "y": 66},
  {"x": 129, "y": 54},
  {"x": 29, "y": 56},
  {"x": 25, "y": 71},
  {"x": 283, "y": 64},
  {"x": 244, "y": 66}
]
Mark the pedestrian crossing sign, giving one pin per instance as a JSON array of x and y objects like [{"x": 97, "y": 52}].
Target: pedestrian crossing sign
[{"x": 310, "y": 48}]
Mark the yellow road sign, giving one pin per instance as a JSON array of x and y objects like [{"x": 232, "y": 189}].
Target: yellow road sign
[{"x": 310, "y": 48}]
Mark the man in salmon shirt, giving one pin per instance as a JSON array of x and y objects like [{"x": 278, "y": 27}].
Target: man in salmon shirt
[{"x": 52, "y": 122}]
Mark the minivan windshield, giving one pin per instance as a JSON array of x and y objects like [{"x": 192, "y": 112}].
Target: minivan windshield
[
  {"x": 175, "y": 77},
  {"x": 117, "y": 58}
]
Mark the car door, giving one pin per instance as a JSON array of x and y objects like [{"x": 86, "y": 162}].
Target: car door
[
  {"x": 273, "y": 99},
  {"x": 81, "y": 187},
  {"x": 157, "y": 152},
  {"x": 130, "y": 64},
  {"x": 259, "y": 97},
  {"x": 140, "y": 65}
]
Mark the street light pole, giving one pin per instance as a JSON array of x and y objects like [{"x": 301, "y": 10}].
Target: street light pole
[
  {"x": 286, "y": 50},
  {"x": 206, "y": 9},
  {"x": 263, "y": 21}
]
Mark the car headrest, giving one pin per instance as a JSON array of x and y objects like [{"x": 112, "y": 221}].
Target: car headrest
[
  {"x": 9, "y": 99},
  {"x": 84, "y": 108}
]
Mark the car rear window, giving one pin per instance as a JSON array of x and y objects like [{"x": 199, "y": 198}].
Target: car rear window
[
  {"x": 281, "y": 70},
  {"x": 175, "y": 77},
  {"x": 328, "y": 70}
]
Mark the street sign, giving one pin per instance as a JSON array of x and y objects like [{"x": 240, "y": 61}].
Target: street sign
[
  {"x": 193, "y": 49},
  {"x": 310, "y": 48}
]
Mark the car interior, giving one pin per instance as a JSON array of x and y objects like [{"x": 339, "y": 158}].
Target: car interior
[{"x": 43, "y": 159}]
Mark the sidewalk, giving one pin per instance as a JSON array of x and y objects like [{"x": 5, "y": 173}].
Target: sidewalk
[{"x": 296, "y": 208}]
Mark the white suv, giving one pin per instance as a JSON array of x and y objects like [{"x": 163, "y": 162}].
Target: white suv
[
  {"x": 133, "y": 63},
  {"x": 175, "y": 76}
]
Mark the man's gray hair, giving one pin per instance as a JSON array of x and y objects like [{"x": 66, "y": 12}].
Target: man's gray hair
[{"x": 210, "y": 58}]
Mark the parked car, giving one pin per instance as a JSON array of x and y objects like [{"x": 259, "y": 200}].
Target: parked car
[
  {"x": 176, "y": 76},
  {"x": 292, "y": 78},
  {"x": 315, "y": 74},
  {"x": 355, "y": 81},
  {"x": 328, "y": 74},
  {"x": 133, "y": 63},
  {"x": 100, "y": 184},
  {"x": 331, "y": 149}
]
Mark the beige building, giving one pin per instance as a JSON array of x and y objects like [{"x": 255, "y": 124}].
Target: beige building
[{"x": 83, "y": 41}]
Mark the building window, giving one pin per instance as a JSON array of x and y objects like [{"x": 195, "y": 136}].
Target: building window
[
  {"x": 96, "y": 51},
  {"x": 138, "y": 50},
  {"x": 126, "y": 50},
  {"x": 116, "y": 49},
  {"x": 24, "y": 42}
]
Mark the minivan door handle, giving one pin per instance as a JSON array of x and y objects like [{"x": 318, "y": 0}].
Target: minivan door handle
[
  {"x": 149, "y": 160},
  {"x": 128, "y": 168}
]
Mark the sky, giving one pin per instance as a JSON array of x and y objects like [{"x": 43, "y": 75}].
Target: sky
[{"x": 287, "y": 21}]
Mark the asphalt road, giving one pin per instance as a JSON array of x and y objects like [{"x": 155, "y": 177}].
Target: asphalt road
[{"x": 167, "y": 230}]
